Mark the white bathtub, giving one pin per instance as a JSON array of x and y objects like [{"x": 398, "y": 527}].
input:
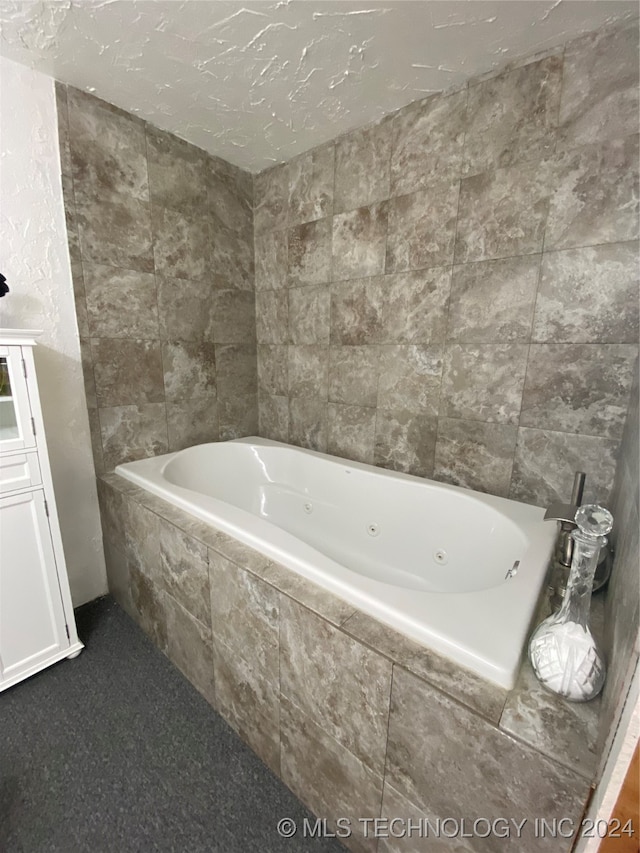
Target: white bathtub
[{"x": 456, "y": 570}]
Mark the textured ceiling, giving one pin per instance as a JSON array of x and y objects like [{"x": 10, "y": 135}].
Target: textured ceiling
[{"x": 258, "y": 82}]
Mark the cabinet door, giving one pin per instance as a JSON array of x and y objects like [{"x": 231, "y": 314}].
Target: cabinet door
[
  {"x": 16, "y": 426},
  {"x": 32, "y": 622}
]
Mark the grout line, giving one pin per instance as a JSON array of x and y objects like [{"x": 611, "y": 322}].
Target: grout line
[{"x": 386, "y": 742}]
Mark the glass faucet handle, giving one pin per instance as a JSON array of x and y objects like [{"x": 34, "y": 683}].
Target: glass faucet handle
[{"x": 594, "y": 520}]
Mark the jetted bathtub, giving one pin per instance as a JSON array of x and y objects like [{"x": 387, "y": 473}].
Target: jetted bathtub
[{"x": 458, "y": 571}]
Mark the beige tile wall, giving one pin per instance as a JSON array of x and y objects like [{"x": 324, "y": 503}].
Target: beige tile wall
[
  {"x": 454, "y": 291},
  {"x": 160, "y": 237},
  {"x": 359, "y": 721}
]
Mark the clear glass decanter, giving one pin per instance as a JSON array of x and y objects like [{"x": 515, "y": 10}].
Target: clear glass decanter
[{"x": 562, "y": 650}]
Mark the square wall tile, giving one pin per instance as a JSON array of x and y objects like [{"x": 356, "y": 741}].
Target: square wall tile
[
  {"x": 513, "y": 117},
  {"x": 133, "y": 432},
  {"x": 192, "y": 422},
  {"x": 237, "y": 416},
  {"x": 230, "y": 191},
  {"x": 237, "y": 371},
  {"x": 108, "y": 150},
  {"x": 271, "y": 251},
  {"x": 120, "y": 303},
  {"x": 331, "y": 780},
  {"x": 595, "y": 197},
  {"x": 600, "y": 86},
  {"x": 309, "y": 253},
  {"x": 503, "y": 213},
  {"x": 410, "y": 378},
  {"x": 242, "y": 607},
  {"x": 189, "y": 370},
  {"x": 180, "y": 244},
  {"x": 464, "y": 760},
  {"x": 359, "y": 242},
  {"x": 273, "y": 370},
  {"x": 149, "y": 603},
  {"x": 177, "y": 172},
  {"x": 581, "y": 388},
  {"x": 493, "y": 301},
  {"x": 483, "y": 382},
  {"x": 311, "y": 185},
  {"x": 127, "y": 371},
  {"x": 308, "y": 423},
  {"x": 428, "y": 141},
  {"x": 233, "y": 316},
  {"x": 545, "y": 464},
  {"x": 475, "y": 455},
  {"x": 271, "y": 193},
  {"x": 185, "y": 309},
  {"x": 308, "y": 368},
  {"x": 273, "y": 417},
  {"x": 117, "y": 233},
  {"x": 231, "y": 257},
  {"x": 184, "y": 571},
  {"x": 589, "y": 295},
  {"x": 395, "y": 805},
  {"x": 422, "y": 228},
  {"x": 309, "y": 315},
  {"x": 357, "y": 311},
  {"x": 415, "y": 306},
  {"x": 272, "y": 317},
  {"x": 363, "y": 163},
  {"x": 337, "y": 682},
  {"x": 351, "y": 432},
  {"x": 249, "y": 702},
  {"x": 353, "y": 375},
  {"x": 405, "y": 441},
  {"x": 189, "y": 647}
]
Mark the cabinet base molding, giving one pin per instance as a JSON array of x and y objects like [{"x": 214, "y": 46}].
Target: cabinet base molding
[{"x": 71, "y": 652}]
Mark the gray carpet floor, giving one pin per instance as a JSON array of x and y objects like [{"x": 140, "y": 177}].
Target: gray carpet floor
[{"x": 116, "y": 751}]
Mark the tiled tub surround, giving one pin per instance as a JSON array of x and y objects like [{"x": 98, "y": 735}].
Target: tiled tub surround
[
  {"x": 454, "y": 291},
  {"x": 160, "y": 238},
  {"x": 358, "y": 720},
  {"x": 432, "y": 560}
]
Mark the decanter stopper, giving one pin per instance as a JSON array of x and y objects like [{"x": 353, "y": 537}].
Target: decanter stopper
[{"x": 562, "y": 650}]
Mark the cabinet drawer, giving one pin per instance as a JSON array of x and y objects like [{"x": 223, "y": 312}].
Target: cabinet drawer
[{"x": 19, "y": 471}]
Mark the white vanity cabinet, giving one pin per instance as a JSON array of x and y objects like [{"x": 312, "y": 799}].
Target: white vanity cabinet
[{"x": 37, "y": 626}]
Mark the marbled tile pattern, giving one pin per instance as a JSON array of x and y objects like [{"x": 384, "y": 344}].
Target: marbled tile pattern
[
  {"x": 578, "y": 388},
  {"x": 484, "y": 382},
  {"x": 422, "y": 228},
  {"x": 595, "y": 195},
  {"x": 475, "y": 455},
  {"x": 589, "y": 295},
  {"x": 522, "y": 126},
  {"x": 600, "y": 86},
  {"x": 545, "y": 463},
  {"x": 359, "y": 242},
  {"x": 363, "y": 166},
  {"x": 464, "y": 760},
  {"x": 328, "y": 675},
  {"x": 332, "y": 700},
  {"x": 351, "y": 432},
  {"x": 575, "y": 724},
  {"x": 120, "y": 303},
  {"x": 503, "y": 213},
  {"x": 493, "y": 301},
  {"x": 161, "y": 238},
  {"x": 499, "y": 216},
  {"x": 471, "y": 279},
  {"x": 428, "y": 142}
]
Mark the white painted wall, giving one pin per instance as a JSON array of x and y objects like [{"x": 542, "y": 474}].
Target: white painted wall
[{"x": 34, "y": 258}]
